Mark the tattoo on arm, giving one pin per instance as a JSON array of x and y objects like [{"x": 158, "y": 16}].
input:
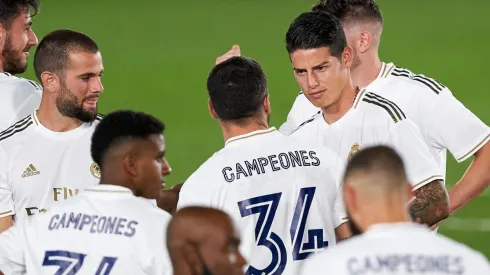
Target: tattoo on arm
[{"x": 431, "y": 204}]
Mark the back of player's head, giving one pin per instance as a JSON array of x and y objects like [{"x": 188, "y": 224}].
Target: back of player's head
[
  {"x": 351, "y": 11},
  {"x": 53, "y": 52},
  {"x": 379, "y": 167},
  {"x": 121, "y": 126},
  {"x": 237, "y": 88},
  {"x": 10, "y": 9},
  {"x": 312, "y": 30}
]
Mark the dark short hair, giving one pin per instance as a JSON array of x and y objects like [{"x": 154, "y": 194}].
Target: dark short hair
[
  {"x": 311, "y": 30},
  {"x": 120, "y": 126},
  {"x": 377, "y": 159},
  {"x": 53, "y": 52},
  {"x": 9, "y": 9},
  {"x": 351, "y": 11},
  {"x": 237, "y": 88}
]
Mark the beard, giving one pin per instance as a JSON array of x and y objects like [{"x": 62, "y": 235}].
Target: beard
[
  {"x": 354, "y": 228},
  {"x": 67, "y": 104},
  {"x": 14, "y": 63},
  {"x": 356, "y": 60}
]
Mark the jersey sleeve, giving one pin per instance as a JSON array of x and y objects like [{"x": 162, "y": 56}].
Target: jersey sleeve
[
  {"x": 340, "y": 216},
  {"x": 199, "y": 190},
  {"x": 6, "y": 196},
  {"x": 12, "y": 260},
  {"x": 451, "y": 125},
  {"x": 420, "y": 165},
  {"x": 301, "y": 110}
]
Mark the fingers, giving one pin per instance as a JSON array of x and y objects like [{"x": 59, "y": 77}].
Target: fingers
[{"x": 235, "y": 51}]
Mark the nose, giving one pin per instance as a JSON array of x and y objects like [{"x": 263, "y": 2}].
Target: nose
[
  {"x": 32, "y": 38},
  {"x": 97, "y": 86},
  {"x": 166, "y": 169},
  {"x": 312, "y": 80}
]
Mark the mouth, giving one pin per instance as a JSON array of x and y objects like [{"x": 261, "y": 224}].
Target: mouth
[
  {"x": 92, "y": 101},
  {"x": 317, "y": 95}
]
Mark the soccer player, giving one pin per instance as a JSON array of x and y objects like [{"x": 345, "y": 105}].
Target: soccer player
[
  {"x": 45, "y": 157},
  {"x": 111, "y": 228},
  {"x": 376, "y": 190},
  {"x": 351, "y": 119},
  {"x": 283, "y": 194},
  {"x": 445, "y": 123},
  {"x": 203, "y": 240},
  {"x": 18, "y": 96}
]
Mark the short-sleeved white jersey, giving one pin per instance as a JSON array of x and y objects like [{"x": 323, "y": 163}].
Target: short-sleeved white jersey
[
  {"x": 374, "y": 120},
  {"x": 398, "y": 249},
  {"x": 444, "y": 122},
  {"x": 40, "y": 168},
  {"x": 19, "y": 97},
  {"x": 283, "y": 194},
  {"x": 104, "y": 230}
]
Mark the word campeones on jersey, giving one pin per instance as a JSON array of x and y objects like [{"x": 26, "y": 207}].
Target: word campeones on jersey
[
  {"x": 284, "y": 195},
  {"x": 18, "y": 98},
  {"x": 373, "y": 120},
  {"x": 104, "y": 230},
  {"x": 398, "y": 249},
  {"x": 39, "y": 167},
  {"x": 444, "y": 122}
]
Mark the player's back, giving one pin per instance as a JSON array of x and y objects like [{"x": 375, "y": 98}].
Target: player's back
[
  {"x": 18, "y": 98},
  {"x": 398, "y": 249},
  {"x": 104, "y": 230},
  {"x": 283, "y": 194}
]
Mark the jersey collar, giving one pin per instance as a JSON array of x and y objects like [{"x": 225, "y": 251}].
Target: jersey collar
[
  {"x": 59, "y": 135},
  {"x": 383, "y": 228},
  {"x": 251, "y": 134},
  {"x": 109, "y": 188}
]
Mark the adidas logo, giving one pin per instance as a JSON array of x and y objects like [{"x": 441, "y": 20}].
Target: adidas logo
[{"x": 30, "y": 171}]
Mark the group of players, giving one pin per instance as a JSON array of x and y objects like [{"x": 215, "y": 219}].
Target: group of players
[{"x": 363, "y": 152}]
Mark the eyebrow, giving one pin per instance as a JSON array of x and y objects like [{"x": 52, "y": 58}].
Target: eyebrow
[
  {"x": 315, "y": 67},
  {"x": 90, "y": 74}
]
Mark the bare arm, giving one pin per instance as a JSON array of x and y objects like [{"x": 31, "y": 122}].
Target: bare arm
[
  {"x": 6, "y": 223},
  {"x": 474, "y": 181},
  {"x": 431, "y": 204}
]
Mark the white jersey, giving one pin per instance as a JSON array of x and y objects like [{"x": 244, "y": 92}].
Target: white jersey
[
  {"x": 372, "y": 121},
  {"x": 40, "y": 168},
  {"x": 444, "y": 122},
  {"x": 284, "y": 196},
  {"x": 104, "y": 230},
  {"x": 398, "y": 249},
  {"x": 18, "y": 98}
]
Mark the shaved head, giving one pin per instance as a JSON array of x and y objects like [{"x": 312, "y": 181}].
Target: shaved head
[
  {"x": 203, "y": 240},
  {"x": 376, "y": 188}
]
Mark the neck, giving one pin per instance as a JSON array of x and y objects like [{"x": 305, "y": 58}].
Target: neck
[
  {"x": 336, "y": 111},
  {"x": 49, "y": 116},
  {"x": 367, "y": 71},
  {"x": 231, "y": 130},
  {"x": 386, "y": 213}
]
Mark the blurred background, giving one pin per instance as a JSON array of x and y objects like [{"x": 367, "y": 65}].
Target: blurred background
[{"x": 157, "y": 55}]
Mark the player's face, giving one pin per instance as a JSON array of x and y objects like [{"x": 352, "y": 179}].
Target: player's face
[
  {"x": 321, "y": 76},
  {"x": 221, "y": 254},
  {"x": 16, "y": 42},
  {"x": 151, "y": 161},
  {"x": 81, "y": 87}
]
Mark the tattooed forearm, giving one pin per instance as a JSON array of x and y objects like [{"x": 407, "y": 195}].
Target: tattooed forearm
[{"x": 431, "y": 204}]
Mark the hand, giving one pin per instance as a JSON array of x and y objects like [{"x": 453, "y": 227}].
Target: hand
[{"x": 235, "y": 51}]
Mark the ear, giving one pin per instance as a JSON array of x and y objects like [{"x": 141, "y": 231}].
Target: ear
[
  {"x": 3, "y": 34},
  {"x": 130, "y": 165},
  {"x": 51, "y": 82},
  {"x": 347, "y": 56},
  {"x": 267, "y": 104},
  {"x": 211, "y": 109},
  {"x": 350, "y": 198},
  {"x": 365, "y": 41}
]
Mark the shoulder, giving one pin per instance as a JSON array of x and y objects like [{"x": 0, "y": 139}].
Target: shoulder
[
  {"x": 19, "y": 83},
  {"x": 378, "y": 107},
  {"x": 405, "y": 79},
  {"x": 17, "y": 130}
]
